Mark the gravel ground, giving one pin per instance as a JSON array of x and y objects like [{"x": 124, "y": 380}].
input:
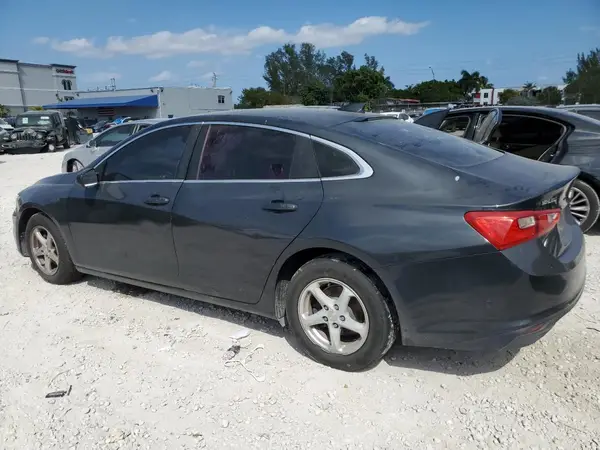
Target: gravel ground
[{"x": 147, "y": 371}]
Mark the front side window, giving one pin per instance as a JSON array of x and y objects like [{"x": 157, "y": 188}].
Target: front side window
[
  {"x": 457, "y": 126},
  {"x": 114, "y": 136},
  {"x": 232, "y": 152},
  {"x": 154, "y": 156}
]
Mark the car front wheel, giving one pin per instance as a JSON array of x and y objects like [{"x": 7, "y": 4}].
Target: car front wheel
[
  {"x": 48, "y": 251},
  {"x": 339, "y": 315},
  {"x": 584, "y": 204}
]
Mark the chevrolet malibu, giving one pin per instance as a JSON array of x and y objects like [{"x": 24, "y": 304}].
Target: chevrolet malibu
[{"x": 353, "y": 230}]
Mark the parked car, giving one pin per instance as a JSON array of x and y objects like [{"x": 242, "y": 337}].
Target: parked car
[
  {"x": 350, "y": 228},
  {"x": 398, "y": 115},
  {"x": 545, "y": 134},
  {"x": 592, "y": 110},
  {"x": 39, "y": 131},
  {"x": 79, "y": 157}
]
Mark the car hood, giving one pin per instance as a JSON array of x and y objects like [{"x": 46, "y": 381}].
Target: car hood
[
  {"x": 37, "y": 129},
  {"x": 61, "y": 178}
]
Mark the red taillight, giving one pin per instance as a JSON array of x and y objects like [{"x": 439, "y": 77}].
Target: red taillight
[{"x": 505, "y": 229}]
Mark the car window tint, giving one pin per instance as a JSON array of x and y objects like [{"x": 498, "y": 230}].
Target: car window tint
[
  {"x": 114, "y": 136},
  {"x": 334, "y": 163},
  {"x": 456, "y": 126},
  {"x": 250, "y": 153},
  {"x": 421, "y": 141},
  {"x": 155, "y": 156}
]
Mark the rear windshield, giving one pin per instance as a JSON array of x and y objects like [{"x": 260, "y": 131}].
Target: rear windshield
[{"x": 417, "y": 140}]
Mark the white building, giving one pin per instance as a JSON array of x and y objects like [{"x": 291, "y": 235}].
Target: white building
[
  {"x": 146, "y": 103},
  {"x": 491, "y": 96},
  {"x": 23, "y": 85}
]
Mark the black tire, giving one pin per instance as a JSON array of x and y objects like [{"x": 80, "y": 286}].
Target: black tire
[
  {"x": 383, "y": 327},
  {"x": 66, "y": 272},
  {"x": 594, "y": 203},
  {"x": 71, "y": 165}
]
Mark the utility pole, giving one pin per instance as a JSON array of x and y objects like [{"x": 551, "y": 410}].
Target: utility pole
[{"x": 432, "y": 73}]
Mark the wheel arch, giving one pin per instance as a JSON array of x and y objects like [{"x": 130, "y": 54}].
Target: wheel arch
[
  {"x": 294, "y": 258},
  {"x": 27, "y": 213}
]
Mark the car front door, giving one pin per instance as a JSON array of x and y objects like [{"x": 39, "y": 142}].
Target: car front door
[
  {"x": 249, "y": 192},
  {"x": 122, "y": 224}
]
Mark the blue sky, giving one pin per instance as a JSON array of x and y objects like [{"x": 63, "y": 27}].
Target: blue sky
[{"x": 178, "y": 42}]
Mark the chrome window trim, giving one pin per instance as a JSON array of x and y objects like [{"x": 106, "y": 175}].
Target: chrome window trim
[
  {"x": 136, "y": 137},
  {"x": 365, "y": 170}
]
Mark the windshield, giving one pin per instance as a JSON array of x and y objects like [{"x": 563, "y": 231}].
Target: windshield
[{"x": 34, "y": 120}]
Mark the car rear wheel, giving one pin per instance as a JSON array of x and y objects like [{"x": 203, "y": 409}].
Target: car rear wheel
[
  {"x": 584, "y": 204},
  {"x": 338, "y": 314},
  {"x": 48, "y": 251}
]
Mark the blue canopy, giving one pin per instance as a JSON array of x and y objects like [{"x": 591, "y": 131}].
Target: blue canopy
[{"x": 103, "y": 102}]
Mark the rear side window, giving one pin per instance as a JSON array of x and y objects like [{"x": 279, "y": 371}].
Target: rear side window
[
  {"x": 594, "y": 114},
  {"x": 424, "y": 142},
  {"x": 456, "y": 126},
  {"x": 334, "y": 163},
  {"x": 234, "y": 152}
]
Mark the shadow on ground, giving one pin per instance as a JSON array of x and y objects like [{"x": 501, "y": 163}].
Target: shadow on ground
[{"x": 432, "y": 360}]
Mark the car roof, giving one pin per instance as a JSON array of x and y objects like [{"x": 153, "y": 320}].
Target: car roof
[
  {"x": 40, "y": 113},
  {"x": 145, "y": 121},
  {"x": 294, "y": 118},
  {"x": 586, "y": 106}
]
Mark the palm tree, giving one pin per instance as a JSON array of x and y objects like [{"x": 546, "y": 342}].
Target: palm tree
[
  {"x": 528, "y": 88},
  {"x": 473, "y": 81}
]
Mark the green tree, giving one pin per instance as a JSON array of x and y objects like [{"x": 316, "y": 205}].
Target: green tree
[
  {"x": 35, "y": 108},
  {"x": 519, "y": 100},
  {"x": 507, "y": 94},
  {"x": 528, "y": 88},
  {"x": 473, "y": 81},
  {"x": 315, "y": 93},
  {"x": 549, "y": 96},
  {"x": 362, "y": 85},
  {"x": 3, "y": 111},
  {"x": 584, "y": 82},
  {"x": 258, "y": 97},
  {"x": 431, "y": 91}
]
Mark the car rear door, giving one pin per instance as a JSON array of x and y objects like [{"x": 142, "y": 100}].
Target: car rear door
[{"x": 249, "y": 192}]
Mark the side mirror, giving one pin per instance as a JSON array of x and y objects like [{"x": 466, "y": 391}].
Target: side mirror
[{"x": 88, "y": 178}]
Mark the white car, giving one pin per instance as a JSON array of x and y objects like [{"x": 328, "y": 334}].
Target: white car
[
  {"x": 82, "y": 155},
  {"x": 399, "y": 115}
]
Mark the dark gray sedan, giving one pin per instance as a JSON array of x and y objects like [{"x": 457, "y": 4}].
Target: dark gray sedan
[{"x": 353, "y": 230}]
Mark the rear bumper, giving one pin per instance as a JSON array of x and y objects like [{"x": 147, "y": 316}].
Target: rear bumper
[{"x": 483, "y": 302}]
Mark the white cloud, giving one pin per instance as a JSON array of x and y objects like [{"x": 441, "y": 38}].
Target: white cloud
[
  {"x": 211, "y": 40},
  {"x": 165, "y": 75},
  {"x": 196, "y": 64},
  {"x": 100, "y": 77},
  {"x": 79, "y": 46},
  {"x": 41, "y": 40}
]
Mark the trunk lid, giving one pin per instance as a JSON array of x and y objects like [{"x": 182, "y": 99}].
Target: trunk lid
[{"x": 513, "y": 183}]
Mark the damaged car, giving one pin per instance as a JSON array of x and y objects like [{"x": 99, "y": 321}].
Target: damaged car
[{"x": 37, "y": 131}]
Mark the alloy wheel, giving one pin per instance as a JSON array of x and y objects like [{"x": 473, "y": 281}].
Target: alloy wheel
[
  {"x": 44, "y": 250},
  {"x": 579, "y": 205},
  {"x": 333, "y": 316}
]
